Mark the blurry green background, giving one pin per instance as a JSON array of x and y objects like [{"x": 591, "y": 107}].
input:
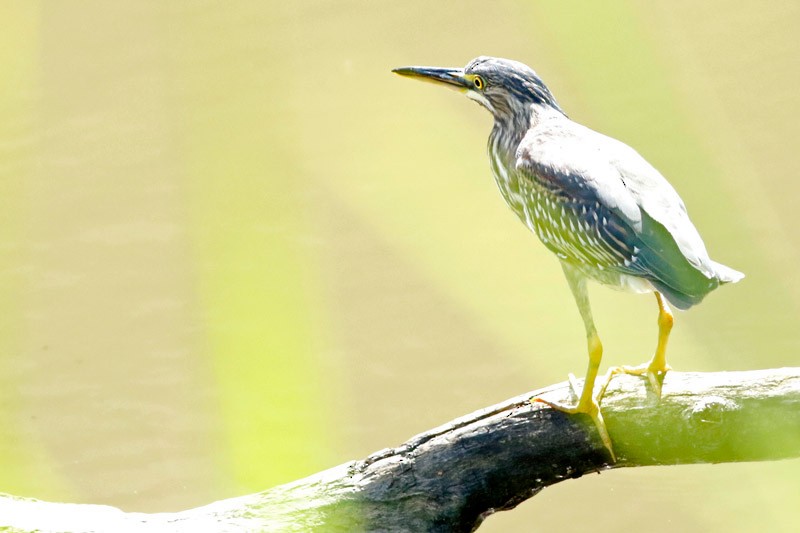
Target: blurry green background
[{"x": 236, "y": 250}]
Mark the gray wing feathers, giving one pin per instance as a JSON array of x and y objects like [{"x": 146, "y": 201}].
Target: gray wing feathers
[
  {"x": 582, "y": 172},
  {"x": 659, "y": 199},
  {"x": 590, "y": 165}
]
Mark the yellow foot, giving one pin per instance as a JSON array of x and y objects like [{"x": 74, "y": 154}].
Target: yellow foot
[
  {"x": 655, "y": 375},
  {"x": 590, "y": 407}
]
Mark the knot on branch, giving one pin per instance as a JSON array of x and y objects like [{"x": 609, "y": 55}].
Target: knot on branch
[{"x": 710, "y": 410}]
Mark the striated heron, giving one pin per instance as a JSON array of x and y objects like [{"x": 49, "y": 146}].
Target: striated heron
[{"x": 594, "y": 202}]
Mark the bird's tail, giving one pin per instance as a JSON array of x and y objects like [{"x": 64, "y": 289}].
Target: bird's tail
[{"x": 726, "y": 274}]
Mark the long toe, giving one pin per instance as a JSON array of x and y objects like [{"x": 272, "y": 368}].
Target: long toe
[
  {"x": 600, "y": 424},
  {"x": 591, "y": 408},
  {"x": 655, "y": 375}
]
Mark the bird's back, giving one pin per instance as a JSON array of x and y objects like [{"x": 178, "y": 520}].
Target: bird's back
[
  {"x": 596, "y": 203},
  {"x": 667, "y": 232}
]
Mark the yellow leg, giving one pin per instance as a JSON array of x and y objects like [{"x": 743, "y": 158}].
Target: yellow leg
[
  {"x": 588, "y": 402},
  {"x": 658, "y": 367}
]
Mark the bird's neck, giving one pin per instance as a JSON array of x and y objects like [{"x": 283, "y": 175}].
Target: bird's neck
[{"x": 508, "y": 131}]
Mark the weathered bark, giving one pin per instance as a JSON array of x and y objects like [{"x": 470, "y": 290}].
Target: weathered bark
[{"x": 450, "y": 478}]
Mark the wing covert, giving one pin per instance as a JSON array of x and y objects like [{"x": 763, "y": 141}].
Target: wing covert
[{"x": 618, "y": 213}]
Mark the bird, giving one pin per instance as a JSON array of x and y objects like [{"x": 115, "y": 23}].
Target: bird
[{"x": 606, "y": 213}]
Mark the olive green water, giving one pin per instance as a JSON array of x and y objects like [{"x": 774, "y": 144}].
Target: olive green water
[{"x": 235, "y": 250}]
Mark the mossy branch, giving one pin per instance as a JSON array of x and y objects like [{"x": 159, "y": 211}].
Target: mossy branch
[{"x": 452, "y": 477}]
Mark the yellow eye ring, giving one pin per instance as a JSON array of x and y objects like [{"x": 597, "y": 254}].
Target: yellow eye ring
[{"x": 479, "y": 83}]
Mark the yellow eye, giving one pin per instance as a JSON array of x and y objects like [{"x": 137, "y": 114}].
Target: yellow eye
[{"x": 479, "y": 83}]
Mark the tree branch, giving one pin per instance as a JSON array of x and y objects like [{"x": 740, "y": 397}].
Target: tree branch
[{"x": 452, "y": 477}]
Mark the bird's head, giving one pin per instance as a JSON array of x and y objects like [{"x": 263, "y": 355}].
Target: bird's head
[{"x": 506, "y": 88}]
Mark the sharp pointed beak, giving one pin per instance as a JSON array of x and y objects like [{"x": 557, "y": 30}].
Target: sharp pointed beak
[{"x": 453, "y": 77}]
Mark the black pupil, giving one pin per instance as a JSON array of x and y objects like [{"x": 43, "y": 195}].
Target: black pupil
[{"x": 478, "y": 83}]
